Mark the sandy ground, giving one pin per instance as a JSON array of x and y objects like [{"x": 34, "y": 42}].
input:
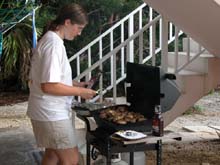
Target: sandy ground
[
  {"x": 17, "y": 142},
  {"x": 195, "y": 151}
]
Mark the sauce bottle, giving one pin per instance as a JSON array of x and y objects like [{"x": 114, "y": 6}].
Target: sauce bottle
[{"x": 157, "y": 122}]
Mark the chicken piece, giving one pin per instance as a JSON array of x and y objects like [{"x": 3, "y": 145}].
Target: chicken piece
[{"x": 121, "y": 122}]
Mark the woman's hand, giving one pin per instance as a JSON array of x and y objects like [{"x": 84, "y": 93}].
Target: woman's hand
[{"x": 87, "y": 93}]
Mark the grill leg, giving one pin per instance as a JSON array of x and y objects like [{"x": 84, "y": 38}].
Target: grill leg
[
  {"x": 88, "y": 153},
  {"x": 108, "y": 156},
  {"x": 108, "y": 160},
  {"x": 159, "y": 152},
  {"x": 131, "y": 158}
]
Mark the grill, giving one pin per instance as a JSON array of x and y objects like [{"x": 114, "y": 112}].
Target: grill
[
  {"x": 143, "y": 93},
  {"x": 146, "y": 86}
]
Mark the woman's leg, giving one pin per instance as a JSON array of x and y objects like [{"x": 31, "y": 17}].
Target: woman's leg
[
  {"x": 50, "y": 157},
  {"x": 68, "y": 156}
]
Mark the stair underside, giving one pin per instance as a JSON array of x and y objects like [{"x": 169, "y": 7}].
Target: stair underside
[{"x": 199, "y": 19}]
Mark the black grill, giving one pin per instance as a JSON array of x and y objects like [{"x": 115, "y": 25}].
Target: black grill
[{"x": 144, "y": 84}]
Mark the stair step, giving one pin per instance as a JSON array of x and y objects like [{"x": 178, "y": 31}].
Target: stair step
[
  {"x": 185, "y": 72},
  {"x": 198, "y": 65},
  {"x": 195, "y": 47}
]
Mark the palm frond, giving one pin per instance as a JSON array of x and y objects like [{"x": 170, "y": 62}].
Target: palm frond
[{"x": 17, "y": 47}]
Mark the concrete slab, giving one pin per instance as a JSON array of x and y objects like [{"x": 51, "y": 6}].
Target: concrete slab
[
  {"x": 206, "y": 129},
  {"x": 198, "y": 136},
  {"x": 215, "y": 127}
]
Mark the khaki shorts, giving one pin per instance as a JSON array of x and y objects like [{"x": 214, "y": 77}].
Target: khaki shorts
[{"x": 55, "y": 134}]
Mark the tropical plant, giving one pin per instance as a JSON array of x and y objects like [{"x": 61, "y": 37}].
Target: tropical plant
[
  {"x": 17, "y": 52},
  {"x": 17, "y": 42}
]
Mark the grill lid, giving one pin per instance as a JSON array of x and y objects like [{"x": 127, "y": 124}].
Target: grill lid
[
  {"x": 148, "y": 86},
  {"x": 143, "y": 92}
]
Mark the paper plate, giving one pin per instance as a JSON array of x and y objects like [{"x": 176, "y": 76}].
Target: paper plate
[{"x": 130, "y": 134}]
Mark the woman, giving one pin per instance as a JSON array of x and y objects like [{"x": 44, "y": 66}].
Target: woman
[{"x": 51, "y": 89}]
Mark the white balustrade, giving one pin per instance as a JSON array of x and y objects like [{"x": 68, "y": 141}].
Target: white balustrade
[{"x": 154, "y": 34}]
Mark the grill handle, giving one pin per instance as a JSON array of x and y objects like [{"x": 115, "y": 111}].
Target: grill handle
[{"x": 170, "y": 76}]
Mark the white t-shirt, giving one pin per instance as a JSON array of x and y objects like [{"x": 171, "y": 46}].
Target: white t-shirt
[{"x": 49, "y": 64}]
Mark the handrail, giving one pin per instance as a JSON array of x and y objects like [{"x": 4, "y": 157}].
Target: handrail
[
  {"x": 115, "y": 50},
  {"x": 107, "y": 32}
]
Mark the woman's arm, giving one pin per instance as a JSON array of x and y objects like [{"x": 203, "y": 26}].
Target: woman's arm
[
  {"x": 80, "y": 84},
  {"x": 60, "y": 89}
]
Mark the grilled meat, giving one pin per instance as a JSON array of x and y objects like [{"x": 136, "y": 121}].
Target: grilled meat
[{"x": 121, "y": 115}]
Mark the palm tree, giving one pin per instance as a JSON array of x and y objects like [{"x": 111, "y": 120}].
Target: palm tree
[
  {"x": 17, "y": 43},
  {"x": 17, "y": 46}
]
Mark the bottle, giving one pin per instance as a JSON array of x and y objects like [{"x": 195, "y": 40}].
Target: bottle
[
  {"x": 94, "y": 80},
  {"x": 157, "y": 122}
]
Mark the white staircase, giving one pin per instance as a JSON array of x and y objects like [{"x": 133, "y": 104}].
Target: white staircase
[{"x": 197, "y": 71}]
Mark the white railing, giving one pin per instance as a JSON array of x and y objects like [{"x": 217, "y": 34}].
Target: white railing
[{"x": 139, "y": 37}]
